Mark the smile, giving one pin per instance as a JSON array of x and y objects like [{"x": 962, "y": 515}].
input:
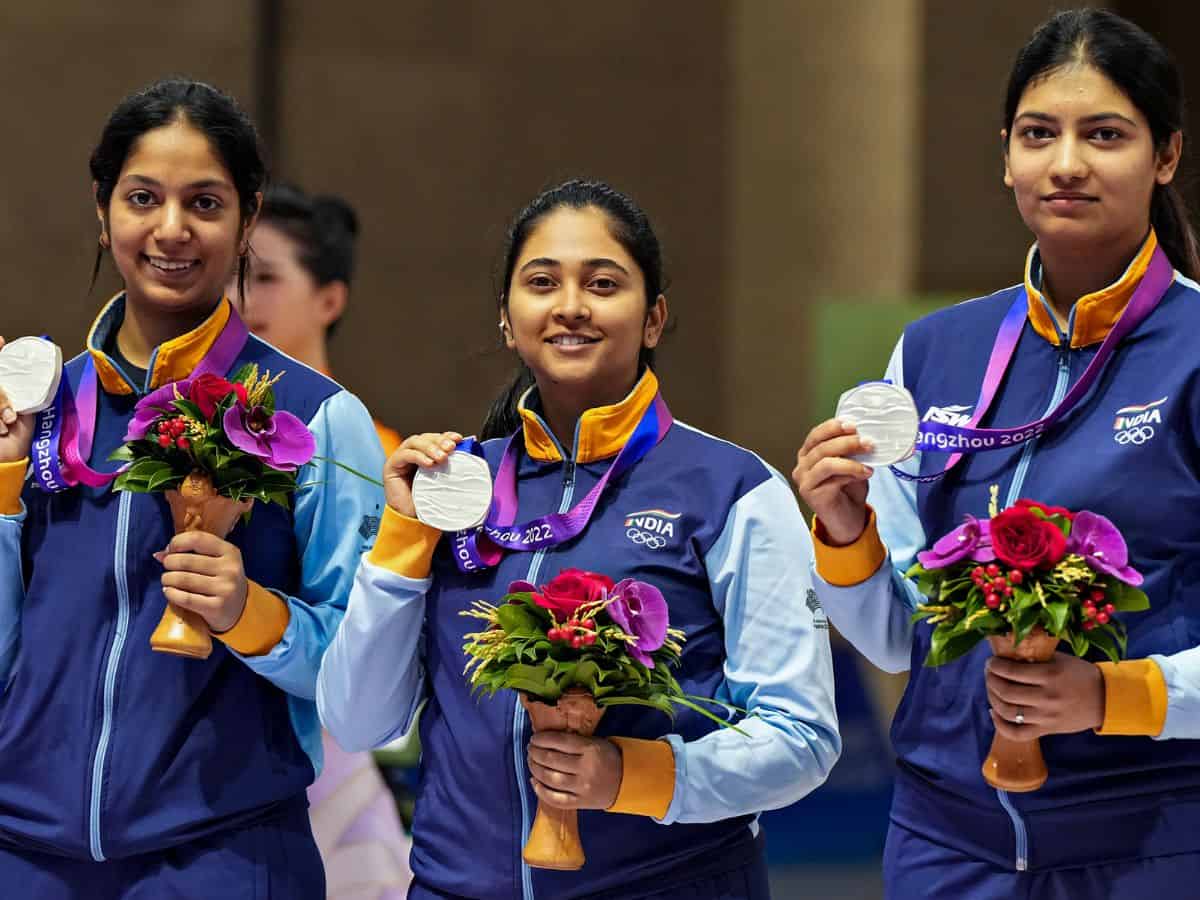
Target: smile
[
  {"x": 571, "y": 340},
  {"x": 171, "y": 265}
]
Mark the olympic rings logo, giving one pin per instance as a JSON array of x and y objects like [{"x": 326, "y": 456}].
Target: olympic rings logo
[
  {"x": 650, "y": 541},
  {"x": 1134, "y": 435}
]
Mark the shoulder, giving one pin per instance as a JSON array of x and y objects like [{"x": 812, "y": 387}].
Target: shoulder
[
  {"x": 712, "y": 461},
  {"x": 302, "y": 389},
  {"x": 982, "y": 313}
]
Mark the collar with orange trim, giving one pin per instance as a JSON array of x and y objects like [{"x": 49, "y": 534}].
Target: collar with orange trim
[
  {"x": 601, "y": 431},
  {"x": 1093, "y": 315},
  {"x": 171, "y": 361}
]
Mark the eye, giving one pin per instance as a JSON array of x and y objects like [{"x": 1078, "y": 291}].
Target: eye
[
  {"x": 1036, "y": 133},
  {"x": 603, "y": 284},
  {"x": 140, "y": 198},
  {"x": 1107, "y": 134},
  {"x": 541, "y": 281},
  {"x": 207, "y": 203}
]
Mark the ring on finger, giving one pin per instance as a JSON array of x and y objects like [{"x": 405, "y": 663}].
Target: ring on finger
[{"x": 1020, "y": 717}]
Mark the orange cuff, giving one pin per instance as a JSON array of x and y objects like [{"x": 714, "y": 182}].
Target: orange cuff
[
  {"x": 264, "y": 620},
  {"x": 405, "y": 546},
  {"x": 12, "y": 480},
  {"x": 1135, "y": 697},
  {"x": 647, "y": 777},
  {"x": 852, "y": 564}
]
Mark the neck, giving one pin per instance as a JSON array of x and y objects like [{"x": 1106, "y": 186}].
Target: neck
[
  {"x": 561, "y": 407},
  {"x": 1069, "y": 273},
  {"x": 143, "y": 329}
]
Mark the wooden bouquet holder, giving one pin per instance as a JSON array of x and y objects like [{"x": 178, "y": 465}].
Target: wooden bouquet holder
[
  {"x": 195, "y": 506},
  {"x": 554, "y": 838},
  {"x": 1018, "y": 766}
]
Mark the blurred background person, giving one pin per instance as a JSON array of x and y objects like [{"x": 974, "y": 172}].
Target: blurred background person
[{"x": 302, "y": 263}]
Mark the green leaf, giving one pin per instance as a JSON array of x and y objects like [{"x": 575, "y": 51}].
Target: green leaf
[
  {"x": 1058, "y": 611},
  {"x": 947, "y": 646},
  {"x": 124, "y": 453},
  {"x": 517, "y": 620},
  {"x": 1125, "y": 597}
]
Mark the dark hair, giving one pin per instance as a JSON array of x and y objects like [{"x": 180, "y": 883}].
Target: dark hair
[
  {"x": 323, "y": 227},
  {"x": 233, "y": 137},
  {"x": 1143, "y": 70},
  {"x": 632, "y": 230}
]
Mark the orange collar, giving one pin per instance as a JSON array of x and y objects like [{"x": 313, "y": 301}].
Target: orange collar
[
  {"x": 600, "y": 433},
  {"x": 169, "y": 362},
  {"x": 1093, "y": 315}
]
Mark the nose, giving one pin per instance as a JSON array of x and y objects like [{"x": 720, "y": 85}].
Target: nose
[
  {"x": 572, "y": 305},
  {"x": 172, "y": 224},
  {"x": 1069, "y": 163}
]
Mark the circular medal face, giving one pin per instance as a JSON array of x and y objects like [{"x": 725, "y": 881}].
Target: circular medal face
[
  {"x": 884, "y": 414},
  {"x": 30, "y": 370},
  {"x": 455, "y": 495}
]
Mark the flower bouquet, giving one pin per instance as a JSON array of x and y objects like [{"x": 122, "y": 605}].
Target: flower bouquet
[
  {"x": 1027, "y": 578},
  {"x": 213, "y": 446},
  {"x": 572, "y": 648}
]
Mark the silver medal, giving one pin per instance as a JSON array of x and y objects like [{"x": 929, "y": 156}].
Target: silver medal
[
  {"x": 885, "y": 415},
  {"x": 30, "y": 370},
  {"x": 455, "y": 495}
]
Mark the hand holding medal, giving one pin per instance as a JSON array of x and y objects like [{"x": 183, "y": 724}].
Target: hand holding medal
[
  {"x": 418, "y": 453},
  {"x": 30, "y": 372}
]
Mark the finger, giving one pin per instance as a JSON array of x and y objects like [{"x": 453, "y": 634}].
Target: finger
[
  {"x": 562, "y": 741},
  {"x": 559, "y": 799},
  {"x": 1022, "y": 672},
  {"x": 845, "y": 446},
  {"x": 559, "y": 781},
  {"x": 198, "y": 542},
  {"x": 1013, "y": 732},
  {"x": 191, "y": 562},
  {"x": 1015, "y": 692},
  {"x": 191, "y": 583},
  {"x": 555, "y": 759},
  {"x": 835, "y": 467},
  {"x": 827, "y": 430},
  {"x": 1009, "y": 712},
  {"x": 8, "y": 415},
  {"x": 201, "y": 603},
  {"x": 450, "y": 440}
]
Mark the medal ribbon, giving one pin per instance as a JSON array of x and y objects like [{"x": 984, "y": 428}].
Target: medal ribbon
[
  {"x": 937, "y": 436},
  {"x": 64, "y": 433},
  {"x": 483, "y": 548}
]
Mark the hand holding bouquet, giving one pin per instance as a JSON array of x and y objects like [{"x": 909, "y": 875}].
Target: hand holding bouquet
[{"x": 1027, "y": 578}]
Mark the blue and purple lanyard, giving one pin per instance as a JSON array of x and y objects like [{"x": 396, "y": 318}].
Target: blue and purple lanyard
[
  {"x": 64, "y": 432},
  {"x": 483, "y": 548},
  {"x": 937, "y": 436}
]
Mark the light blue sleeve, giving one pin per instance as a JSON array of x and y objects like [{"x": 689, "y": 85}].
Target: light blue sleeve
[
  {"x": 1181, "y": 672},
  {"x": 335, "y": 521},
  {"x": 12, "y": 591},
  {"x": 874, "y": 615},
  {"x": 372, "y": 679},
  {"x": 778, "y": 666}
]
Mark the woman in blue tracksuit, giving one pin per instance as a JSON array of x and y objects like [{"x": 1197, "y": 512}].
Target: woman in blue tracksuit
[
  {"x": 1092, "y": 136},
  {"x": 707, "y": 522},
  {"x": 126, "y": 773}
]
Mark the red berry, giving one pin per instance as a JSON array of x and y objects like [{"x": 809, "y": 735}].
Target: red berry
[
  {"x": 164, "y": 440},
  {"x": 1016, "y": 576},
  {"x": 577, "y": 642},
  {"x": 1102, "y": 618},
  {"x": 977, "y": 572},
  {"x": 571, "y": 623},
  {"x": 1109, "y": 608},
  {"x": 1089, "y": 611},
  {"x": 589, "y": 624},
  {"x": 552, "y": 634},
  {"x": 1089, "y": 625},
  {"x": 182, "y": 443},
  {"x": 991, "y": 601},
  {"x": 589, "y": 639},
  {"x": 1097, "y": 595},
  {"x": 1008, "y": 590},
  {"x": 993, "y": 570}
]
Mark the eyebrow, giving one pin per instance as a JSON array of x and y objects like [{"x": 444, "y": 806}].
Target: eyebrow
[
  {"x": 1096, "y": 117},
  {"x": 596, "y": 263},
  {"x": 201, "y": 185}
]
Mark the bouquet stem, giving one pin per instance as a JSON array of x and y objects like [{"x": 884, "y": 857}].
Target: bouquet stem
[
  {"x": 195, "y": 506},
  {"x": 1018, "y": 766},
  {"x": 554, "y": 838}
]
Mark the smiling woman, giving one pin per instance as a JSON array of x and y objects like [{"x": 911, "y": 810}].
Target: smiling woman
[{"x": 129, "y": 772}]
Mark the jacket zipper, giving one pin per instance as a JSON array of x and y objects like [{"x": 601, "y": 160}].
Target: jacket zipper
[
  {"x": 1020, "y": 832},
  {"x": 110, "y": 671},
  {"x": 568, "y": 491}
]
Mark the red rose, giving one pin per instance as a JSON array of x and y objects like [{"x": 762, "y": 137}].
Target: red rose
[
  {"x": 1024, "y": 541},
  {"x": 1048, "y": 510},
  {"x": 209, "y": 390},
  {"x": 571, "y": 589}
]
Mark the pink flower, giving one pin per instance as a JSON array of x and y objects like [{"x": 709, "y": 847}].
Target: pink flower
[
  {"x": 640, "y": 610},
  {"x": 279, "y": 439},
  {"x": 972, "y": 539}
]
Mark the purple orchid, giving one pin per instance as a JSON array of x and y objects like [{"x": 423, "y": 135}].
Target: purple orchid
[
  {"x": 153, "y": 406},
  {"x": 1098, "y": 541},
  {"x": 279, "y": 439},
  {"x": 971, "y": 539},
  {"x": 640, "y": 609},
  {"x": 521, "y": 587}
]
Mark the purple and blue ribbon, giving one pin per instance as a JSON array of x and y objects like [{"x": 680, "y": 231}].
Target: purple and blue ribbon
[{"x": 483, "y": 548}]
